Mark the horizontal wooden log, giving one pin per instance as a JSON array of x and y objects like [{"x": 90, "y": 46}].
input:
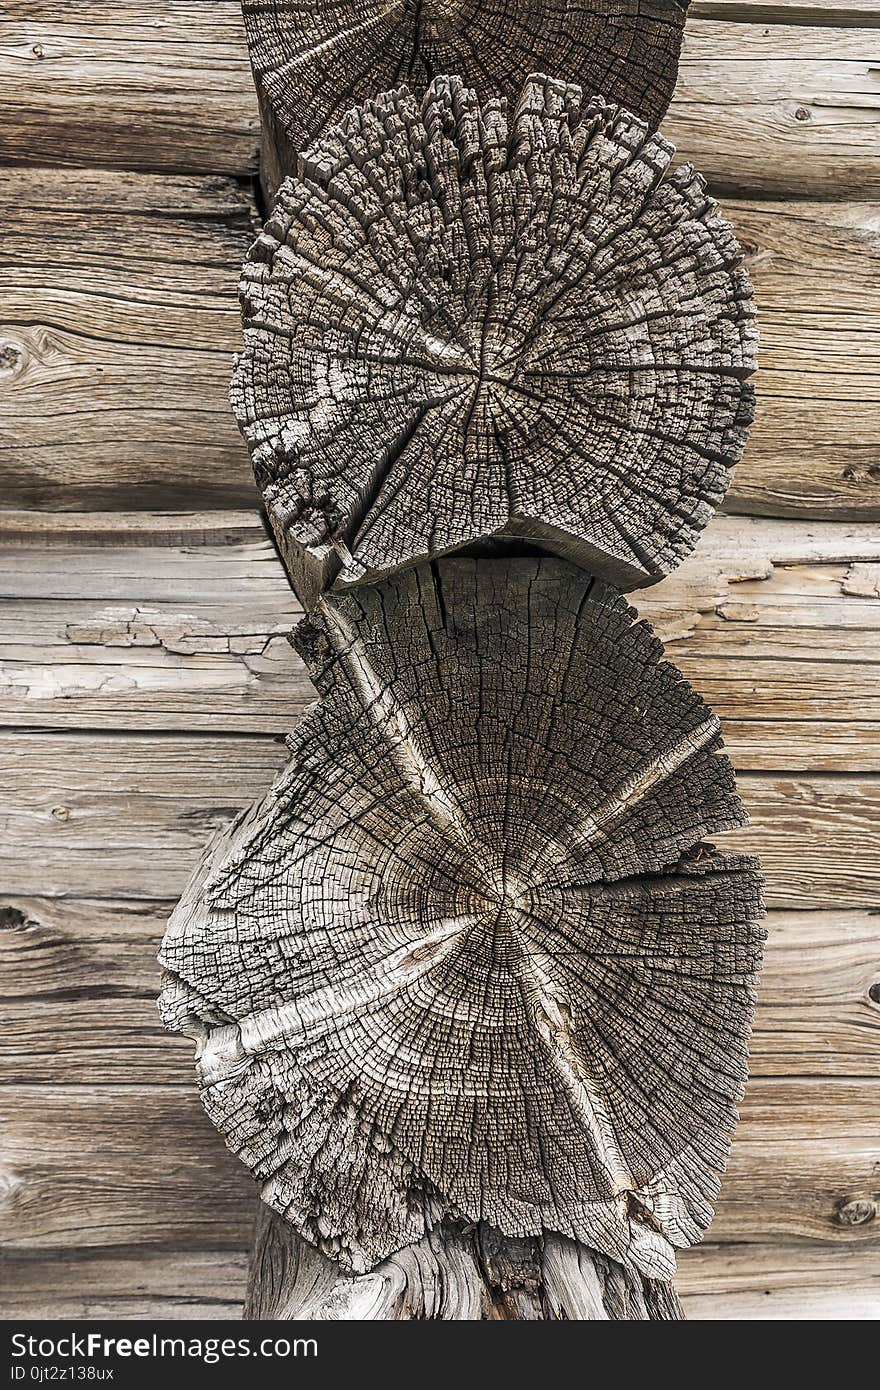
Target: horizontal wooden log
[
  {"x": 81, "y": 1168},
  {"x": 832, "y": 12},
  {"x": 776, "y": 623},
  {"x": 743, "y": 1282},
  {"x": 143, "y": 1286},
  {"x": 797, "y": 1282},
  {"x": 815, "y": 444},
  {"x": 127, "y": 816},
  {"x": 115, "y": 348},
  {"x": 81, "y": 980},
  {"x": 780, "y": 109},
  {"x": 148, "y": 334},
  {"x": 168, "y": 86}
]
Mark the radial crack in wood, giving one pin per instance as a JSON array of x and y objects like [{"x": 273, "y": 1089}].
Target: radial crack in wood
[
  {"x": 313, "y": 60},
  {"x": 470, "y": 957},
  {"x": 463, "y": 328}
]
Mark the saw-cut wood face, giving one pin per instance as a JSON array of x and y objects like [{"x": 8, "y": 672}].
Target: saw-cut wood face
[
  {"x": 471, "y": 955},
  {"x": 463, "y": 327},
  {"x": 313, "y": 59}
]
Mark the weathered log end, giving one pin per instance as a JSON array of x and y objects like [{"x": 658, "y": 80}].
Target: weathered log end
[
  {"x": 458, "y": 1272},
  {"x": 466, "y": 328},
  {"x": 312, "y": 62},
  {"x": 472, "y": 960}
]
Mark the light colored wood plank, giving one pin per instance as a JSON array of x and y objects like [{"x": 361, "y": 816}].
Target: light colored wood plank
[
  {"x": 133, "y": 1166},
  {"x": 132, "y": 627},
  {"x": 81, "y": 980},
  {"x": 780, "y": 109},
  {"x": 733, "y": 1282},
  {"x": 148, "y": 342},
  {"x": 119, "y": 321},
  {"x": 127, "y": 816},
  {"x": 145, "y": 1286},
  {"x": 815, "y": 445},
  {"x": 157, "y": 85},
  {"x": 151, "y": 637},
  {"x": 770, "y": 1282},
  {"x": 168, "y": 86}
]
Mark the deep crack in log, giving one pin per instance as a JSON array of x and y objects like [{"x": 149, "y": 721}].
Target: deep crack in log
[
  {"x": 471, "y": 958},
  {"x": 464, "y": 329},
  {"x": 312, "y": 60}
]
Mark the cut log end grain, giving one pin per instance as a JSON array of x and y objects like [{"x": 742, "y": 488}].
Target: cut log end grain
[
  {"x": 471, "y": 957},
  {"x": 464, "y": 327},
  {"x": 313, "y": 61}
]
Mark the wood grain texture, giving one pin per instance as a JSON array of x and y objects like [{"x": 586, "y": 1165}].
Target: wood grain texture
[
  {"x": 815, "y": 266},
  {"x": 777, "y": 623},
  {"x": 780, "y": 109},
  {"x": 472, "y": 939},
  {"x": 147, "y": 1285},
  {"x": 457, "y": 332},
  {"x": 127, "y": 816},
  {"x": 80, "y": 1169},
  {"x": 115, "y": 353},
  {"x": 780, "y": 1282},
  {"x": 815, "y": 445},
  {"x": 743, "y": 1282},
  {"x": 160, "y": 85},
  {"x": 166, "y": 89},
  {"x": 81, "y": 979},
  {"x": 313, "y": 62},
  {"x": 459, "y": 1272}
]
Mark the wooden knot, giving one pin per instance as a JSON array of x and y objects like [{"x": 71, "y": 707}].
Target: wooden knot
[{"x": 857, "y": 1211}]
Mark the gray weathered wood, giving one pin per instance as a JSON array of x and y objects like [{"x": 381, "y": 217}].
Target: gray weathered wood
[
  {"x": 89, "y": 1167},
  {"x": 501, "y": 778},
  {"x": 460, "y": 1272},
  {"x": 742, "y": 86},
  {"x": 115, "y": 348},
  {"x": 136, "y": 617},
  {"x": 815, "y": 265},
  {"x": 80, "y": 985},
  {"x": 314, "y": 61},
  {"x": 463, "y": 327}
]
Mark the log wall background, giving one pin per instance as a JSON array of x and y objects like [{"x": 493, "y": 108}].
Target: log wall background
[{"x": 146, "y": 681}]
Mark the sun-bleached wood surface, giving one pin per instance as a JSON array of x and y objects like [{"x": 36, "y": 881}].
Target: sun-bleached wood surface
[
  {"x": 424, "y": 948},
  {"x": 313, "y": 62},
  {"x": 463, "y": 326},
  {"x": 99, "y": 337},
  {"x": 780, "y": 639}
]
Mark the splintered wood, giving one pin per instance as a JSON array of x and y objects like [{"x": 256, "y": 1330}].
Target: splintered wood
[
  {"x": 313, "y": 60},
  {"x": 470, "y": 958},
  {"x": 462, "y": 326}
]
